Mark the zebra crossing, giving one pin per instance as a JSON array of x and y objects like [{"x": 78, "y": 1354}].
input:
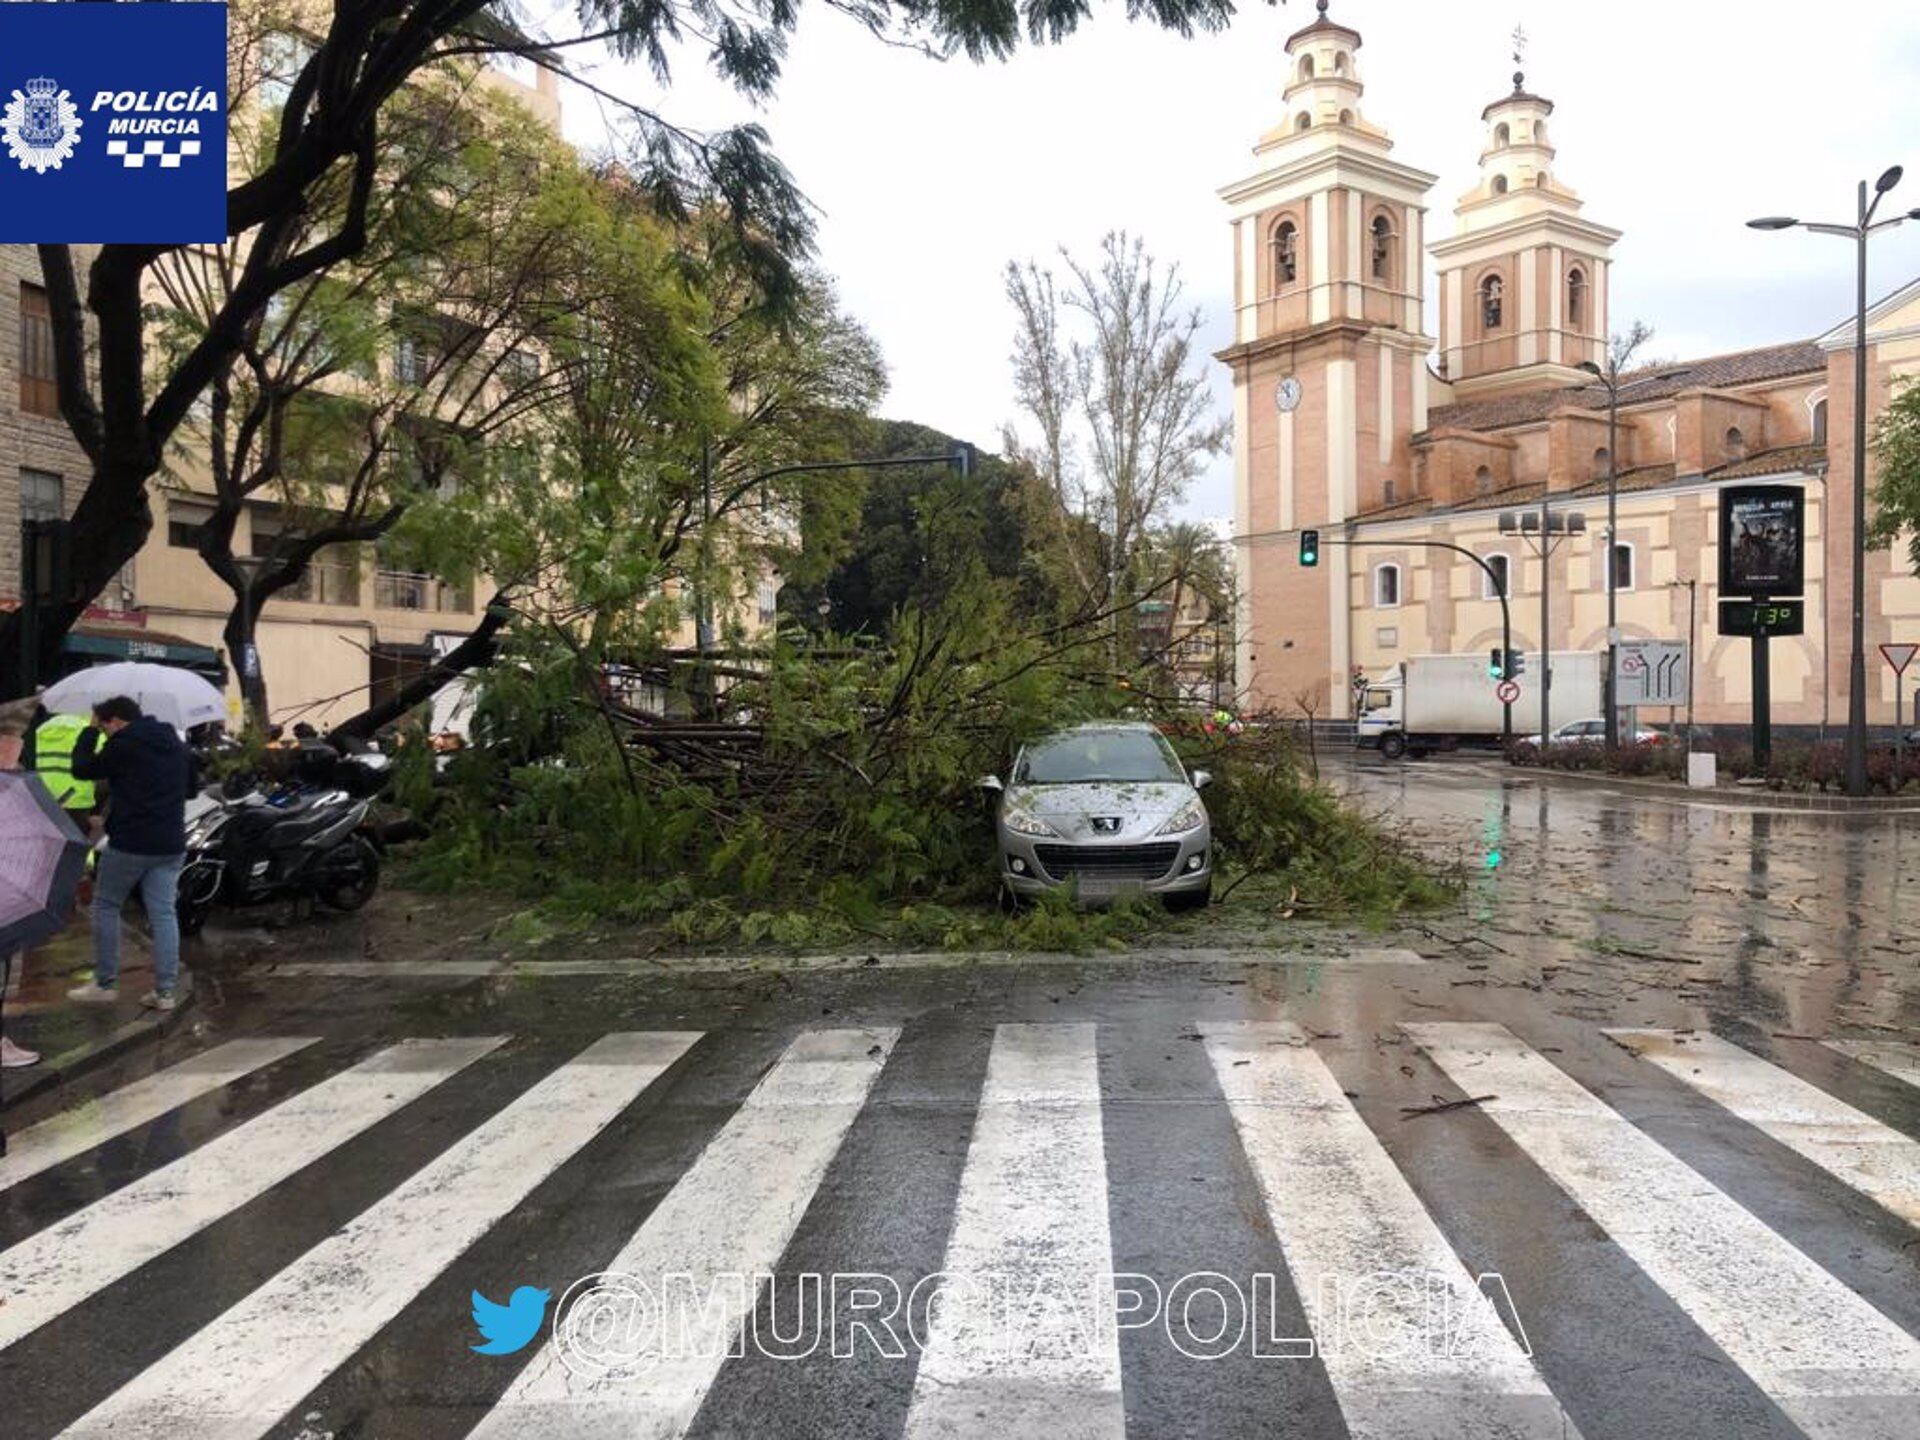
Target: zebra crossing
[{"x": 1371, "y": 1246}]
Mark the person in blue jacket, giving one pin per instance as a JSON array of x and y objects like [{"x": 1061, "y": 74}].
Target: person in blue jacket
[{"x": 149, "y": 772}]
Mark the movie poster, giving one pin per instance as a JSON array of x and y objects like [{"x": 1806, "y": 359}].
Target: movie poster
[{"x": 1762, "y": 540}]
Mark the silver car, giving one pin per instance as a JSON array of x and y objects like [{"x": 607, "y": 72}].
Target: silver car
[{"x": 1107, "y": 809}]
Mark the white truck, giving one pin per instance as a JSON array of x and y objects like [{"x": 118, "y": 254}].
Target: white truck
[{"x": 1440, "y": 702}]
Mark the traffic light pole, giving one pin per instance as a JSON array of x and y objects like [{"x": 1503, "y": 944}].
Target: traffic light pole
[{"x": 1497, "y": 584}]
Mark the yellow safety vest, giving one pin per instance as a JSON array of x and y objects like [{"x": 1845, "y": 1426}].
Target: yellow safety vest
[{"x": 53, "y": 746}]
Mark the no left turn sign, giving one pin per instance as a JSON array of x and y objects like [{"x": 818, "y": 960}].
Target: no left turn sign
[{"x": 1507, "y": 691}]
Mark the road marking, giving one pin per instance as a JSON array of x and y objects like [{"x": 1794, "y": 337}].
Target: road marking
[
  {"x": 242, "y": 1372},
  {"x": 464, "y": 970},
  {"x": 1838, "y": 1367},
  {"x": 1412, "y": 1345},
  {"x": 731, "y": 1214},
  {"x": 1874, "y": 1159},
  {"x": 1028, "y": 1348},
  {"x": 51, "y": 1271},
  {"x": 41, "y": 1147},
  {"x": 1900, "y": 1061}
]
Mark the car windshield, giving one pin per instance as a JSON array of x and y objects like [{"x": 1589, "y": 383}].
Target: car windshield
[{"x": 1081, "y": 757}]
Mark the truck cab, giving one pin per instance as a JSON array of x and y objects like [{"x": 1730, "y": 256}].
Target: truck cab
[{"x": 1383, "y": 715}]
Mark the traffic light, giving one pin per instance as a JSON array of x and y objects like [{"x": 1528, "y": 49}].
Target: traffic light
[
  {"x": 1496, "y": 664},
  {"x": 1309, "y": 547},
  {"x": 1516, "y": 664}
]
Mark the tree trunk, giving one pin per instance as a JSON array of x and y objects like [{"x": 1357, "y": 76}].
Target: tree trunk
[
  {"x": 473, "y": 653},
  {"x": 243, "y": 652}
]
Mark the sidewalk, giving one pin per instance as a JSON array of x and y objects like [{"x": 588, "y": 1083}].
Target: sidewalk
[{"x": 73, "y": 1038}]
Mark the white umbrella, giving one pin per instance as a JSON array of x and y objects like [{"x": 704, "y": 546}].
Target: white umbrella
[{"x": 166, "y": 692}]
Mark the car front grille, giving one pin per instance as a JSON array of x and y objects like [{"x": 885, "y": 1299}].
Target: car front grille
[{"x": 1108, "y": 862}]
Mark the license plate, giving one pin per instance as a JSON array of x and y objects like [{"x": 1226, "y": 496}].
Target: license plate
[{"x": 1106, "y": 887}]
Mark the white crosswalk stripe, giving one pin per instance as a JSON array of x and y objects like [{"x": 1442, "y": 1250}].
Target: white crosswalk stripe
[
  {"x": 1413, "y": 1347},
  {"x": 240, "y": 1374},
  {"x": 1875, "y": 1159},
  {"x": 1887, "y": 1056},
  {"x": 72, "y": 1132},
  {"x": 57, "y": 1268},
  {"x": 730, "y": 1215},
  {"x": 1833, "y": 1363},
  {"x": 1022, "y": 1344}
]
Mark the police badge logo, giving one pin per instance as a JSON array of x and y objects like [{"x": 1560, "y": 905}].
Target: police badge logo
[{"x": 41, "y": 127}]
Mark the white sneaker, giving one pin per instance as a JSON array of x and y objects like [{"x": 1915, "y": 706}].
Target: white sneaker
[
  {"x": 161, "y": 1000},
  {"x": 92, "y": 993},
  {"x": 16, "y": 1057}
]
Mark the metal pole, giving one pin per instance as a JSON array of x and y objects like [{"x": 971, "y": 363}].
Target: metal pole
[
  {"x": 1762, "y": 699},
  {"x": 1546, "y": 644},
  {"x": 1613, "y": 540},
  {"x": 1857, "y": 662},
  {"x": 702, "y": 608},
  {"x": 1693, "y": 597},
  {"x": 1506, "y": 668}
]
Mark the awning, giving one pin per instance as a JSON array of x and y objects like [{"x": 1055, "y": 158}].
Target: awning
[{"x": 103, "y": 642}]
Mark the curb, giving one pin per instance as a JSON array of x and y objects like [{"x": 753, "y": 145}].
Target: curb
[
  {"x": 1751, "y": 797},
  {"x": 53, "y": 1072}
]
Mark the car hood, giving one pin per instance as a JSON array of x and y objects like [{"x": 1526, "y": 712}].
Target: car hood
[{"x": 1140, "y": 807}]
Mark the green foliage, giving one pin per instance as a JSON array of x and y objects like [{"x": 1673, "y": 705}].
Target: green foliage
[{"x": 1896, "y": 452}]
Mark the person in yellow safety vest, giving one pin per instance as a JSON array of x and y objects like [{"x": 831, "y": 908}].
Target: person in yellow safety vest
[{"x": 52, "y": 761}]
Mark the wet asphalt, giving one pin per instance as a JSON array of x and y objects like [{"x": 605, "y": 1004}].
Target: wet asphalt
[{"x": 1583, "y": 908}]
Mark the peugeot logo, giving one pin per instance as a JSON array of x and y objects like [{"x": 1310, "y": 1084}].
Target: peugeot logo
[{"x": 1106, "y": 824}]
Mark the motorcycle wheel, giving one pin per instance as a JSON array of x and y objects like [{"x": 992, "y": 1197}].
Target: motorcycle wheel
[{"x": 351, "y": 894}]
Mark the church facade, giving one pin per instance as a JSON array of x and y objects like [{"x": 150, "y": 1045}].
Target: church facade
[{"x": 1352, "y": 419}]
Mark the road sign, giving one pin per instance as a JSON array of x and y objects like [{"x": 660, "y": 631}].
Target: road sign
[
  {"x": 1763, "y": 617},
  {"x": 1651, "y": 672},
  {"x": 1506, "y": 692},
  {"x": 1899, "y": 656}
]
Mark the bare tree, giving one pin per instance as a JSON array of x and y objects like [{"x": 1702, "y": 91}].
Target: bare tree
[{"x": 1107, "y": 373}]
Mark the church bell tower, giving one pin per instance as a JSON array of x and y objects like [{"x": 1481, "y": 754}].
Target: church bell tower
[
  {"x": 1524, "y": 278},
  {"x": 1328, "y": 361}
]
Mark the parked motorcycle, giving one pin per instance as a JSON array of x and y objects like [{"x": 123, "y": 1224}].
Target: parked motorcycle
[{"x": 305, "y": 840}]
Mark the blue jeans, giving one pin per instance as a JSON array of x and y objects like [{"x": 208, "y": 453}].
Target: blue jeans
[{"x": 158, "y": 879}]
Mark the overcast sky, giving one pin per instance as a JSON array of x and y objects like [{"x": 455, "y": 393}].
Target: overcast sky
[{"x": 1675, "y": 123}]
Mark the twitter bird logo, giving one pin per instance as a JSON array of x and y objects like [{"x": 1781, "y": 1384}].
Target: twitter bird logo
[{"x": 509, "y": 1327}]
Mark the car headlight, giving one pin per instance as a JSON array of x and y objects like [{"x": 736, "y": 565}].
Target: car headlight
[
  {"x": 1021, "y": 823},
  {"x": 1190, "y": 816}
]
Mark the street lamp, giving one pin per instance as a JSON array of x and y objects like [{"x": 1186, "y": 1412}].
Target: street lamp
[
  {"x": 1610, "y": 377},
  {"x": 1538, "y": 530},
  {"x": 1864, "y": 227}
]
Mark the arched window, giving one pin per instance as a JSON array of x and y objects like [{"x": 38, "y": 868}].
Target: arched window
[
  {"x": 1339, "y": 62},
  {"x": 1539, "y": 132},
  {"x": 1819, "y": 422},
  {"x": 1382, "y": 248},
  {"x": 1306, "y": 67},
  {"x": 1540, "y": 181},
  {"x": 1286, "y": 254},
  {"x": 1577, "y": 298},
  {"x": 1386, "y": 586},
  {"x": 1499, "y": 185},
  {"x": 1303, "y": 121},
  {"x": 1492, "y": 587},
  {"x": 1346, "y": 117},
  {"x": 1736, "y": 443},
  {"x": 1602, "y": 462},
  {"x": 1483, "y": 481},
  {"x": 1502, "y": 135},
  {"x": 1491, "y": 291}
]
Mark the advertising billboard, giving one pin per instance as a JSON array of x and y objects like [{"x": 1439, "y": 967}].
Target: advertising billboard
[{"x": 1763, "y": 540}]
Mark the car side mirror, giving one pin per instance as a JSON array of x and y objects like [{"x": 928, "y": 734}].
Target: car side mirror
[
  {"x": 989, "y": 785},
  {"x": 1202, "y": 779}
]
